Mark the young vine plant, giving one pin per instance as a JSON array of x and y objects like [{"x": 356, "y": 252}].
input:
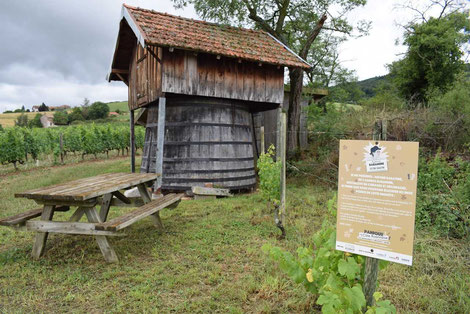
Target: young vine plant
[{"x": 333, "y": 276}]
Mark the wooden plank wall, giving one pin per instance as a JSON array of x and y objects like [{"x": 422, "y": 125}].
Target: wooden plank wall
[
  {"x": 187, "y": 73},
  {"x": 268, "y": 119},
  {"x": 144, "y": 76}
]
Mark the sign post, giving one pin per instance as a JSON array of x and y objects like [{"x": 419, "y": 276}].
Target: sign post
[{"x": 376, "y": 203}]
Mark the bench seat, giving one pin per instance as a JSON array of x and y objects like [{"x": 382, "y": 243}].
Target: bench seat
[
  {"x": 146, "y": 210},
  {"x": 30, "y": 214}
]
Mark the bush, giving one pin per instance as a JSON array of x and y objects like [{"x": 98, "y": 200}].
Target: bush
[
  {"x": 61, "y": 118},
  {"x": 443, "y": 199},
  {"x": 22, "y": 120},
  {"x": 36, "y": 121},
  {"x": 98, "y": 110}
]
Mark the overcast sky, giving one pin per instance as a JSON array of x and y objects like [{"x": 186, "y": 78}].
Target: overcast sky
[{"x": 59, "y": 52}]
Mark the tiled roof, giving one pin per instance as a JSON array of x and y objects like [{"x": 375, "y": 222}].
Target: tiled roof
[{"x": 173, "y": 31}]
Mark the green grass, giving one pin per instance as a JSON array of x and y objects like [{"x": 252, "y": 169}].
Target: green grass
[
  {"x": 121, "y": 105},
  {"x": 208, "y": 259}
]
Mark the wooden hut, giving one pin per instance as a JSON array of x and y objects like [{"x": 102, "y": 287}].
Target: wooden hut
[{"x": 199, "y": 84}]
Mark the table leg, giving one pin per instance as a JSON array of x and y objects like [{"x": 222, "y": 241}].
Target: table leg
[
  {"x": 41, "y": 237},
  {"x": 147, "y": 197},
  {"x": 77, "y": 215},
  {"x": 105, "y": 205},
  {"x": 108, "y": 252}
]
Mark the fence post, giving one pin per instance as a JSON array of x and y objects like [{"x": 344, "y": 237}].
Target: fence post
[
  {"x": 261, "y": 130},
  {"x": 371, "y": 265}
]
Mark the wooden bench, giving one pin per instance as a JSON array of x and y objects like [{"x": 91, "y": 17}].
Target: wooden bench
[
  {"x": 21, "y": 219},
  {"x": 146, "y": 210}
]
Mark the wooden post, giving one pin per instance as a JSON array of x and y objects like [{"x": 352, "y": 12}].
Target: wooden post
[
  {"x": 371, "y": 265},
  {"x": 160, "y": 142},
  {"x": 278, "y": 134},
  {"x": 261, "y": 130},
  {"x": 132, "y": 139},
  {"x": 283, "y": 165}
]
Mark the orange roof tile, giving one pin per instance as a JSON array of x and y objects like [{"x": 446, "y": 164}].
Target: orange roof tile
[{"x": 173, "y": 31}]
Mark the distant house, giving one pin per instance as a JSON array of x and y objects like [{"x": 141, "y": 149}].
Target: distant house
[
  {"x": 113, "y": 114},
  {"x": 47, "y": 121},
  {"x": 35, "y": 109},
  {"x": 59, "y": 108}
]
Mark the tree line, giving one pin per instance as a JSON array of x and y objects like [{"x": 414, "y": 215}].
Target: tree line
[{"x": 20, "y": 144}]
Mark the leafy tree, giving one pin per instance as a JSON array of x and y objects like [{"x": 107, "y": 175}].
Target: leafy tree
[
  {"x": 43, "y": 107},
  {"x": 76, "y": 115},
  {"x": 434, "y": 56},
  {"x": 36, "y": 121},
  {"x": 61, "y": 118},
  {"x": 1, "y": 128},
  {"x": 98, "y": 110},
  {"x": 22, "y": 120},
  {"x": 296, "y": 23}
]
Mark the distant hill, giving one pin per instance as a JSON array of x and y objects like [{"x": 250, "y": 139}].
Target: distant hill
[
  {"x": 115, "y": 105},
  {"x": 369, "y": 86}
]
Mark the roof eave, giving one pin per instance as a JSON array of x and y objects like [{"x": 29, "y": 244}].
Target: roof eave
[
  {"x": 307, "y": 65},
  {"x": 138, "y": 32}
]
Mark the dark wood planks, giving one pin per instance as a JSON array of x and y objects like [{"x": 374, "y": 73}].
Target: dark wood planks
[
  {"x": 88, "y": 188},
  {"x": 140, "y": 213},
  {"x": 205, "y": 75}
]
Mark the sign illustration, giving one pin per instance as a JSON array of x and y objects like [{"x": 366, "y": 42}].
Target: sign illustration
[{"x": 377, "y": 199}]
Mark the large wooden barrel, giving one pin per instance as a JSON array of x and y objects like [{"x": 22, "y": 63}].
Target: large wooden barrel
[{"x": 207, "y": 140}]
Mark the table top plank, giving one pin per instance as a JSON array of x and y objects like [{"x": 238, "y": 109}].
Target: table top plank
[
  {"x": 63, "y": 186},
  {"x": 88, "y": 188},
  {"x": 84, "y": 186}
]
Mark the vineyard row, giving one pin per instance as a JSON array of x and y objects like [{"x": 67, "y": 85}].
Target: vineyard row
[{"x": 17, "y": 144}]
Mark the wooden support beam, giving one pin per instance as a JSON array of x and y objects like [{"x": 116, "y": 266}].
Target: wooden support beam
[
  {"x": 67, "y": 227},
  {"x": 132, "y": 140},
  {"x": 278, "y": 134},
  {"x": 41, "y": 237},
  {"x": 119, "y": 71},
  {"x": 122, "y": 78},
  {"x": 106, "y": 249},
  {"x": 154, "y": 55},
  {"x": 105, "y": 205},
  {"x": 122, "y": 197},
  {"x": 261, "y": 129},
  {"x": 160, "y": 142},
  {"x": 282, "y": 208}
]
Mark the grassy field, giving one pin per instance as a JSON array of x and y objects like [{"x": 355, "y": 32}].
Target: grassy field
[
  {"x": 208, "y": 259},
  {"x": 121, "y": 105},
  {"x": 8, "y": 119}
]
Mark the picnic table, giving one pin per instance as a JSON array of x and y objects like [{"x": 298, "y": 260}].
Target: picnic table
[{"x": 86, "y": 194}]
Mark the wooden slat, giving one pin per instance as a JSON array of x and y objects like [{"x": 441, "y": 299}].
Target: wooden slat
[
  {"x": 67, "y": 227},
  {"x": 140, "y": 213},
  {"x": 30, "y": 214},
  {"x": 199, "y": 190},
  {"x": 122, "y": 197},
  {"x": 84, "y": 189}
]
